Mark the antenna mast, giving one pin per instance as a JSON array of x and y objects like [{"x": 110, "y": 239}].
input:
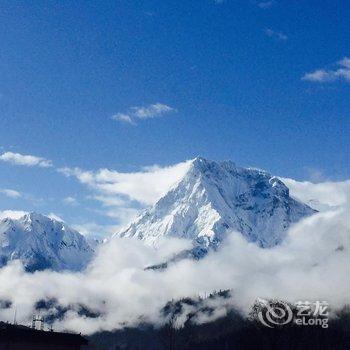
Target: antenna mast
[{"x": 15, "y": 316}]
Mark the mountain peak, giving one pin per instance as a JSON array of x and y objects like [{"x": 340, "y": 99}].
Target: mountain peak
[
  {"x": 203, "y": 164},
  {"x": 34, "y": 216},
  {"x": 41, "y": 242},
  {"x": 214, "y": 198}
]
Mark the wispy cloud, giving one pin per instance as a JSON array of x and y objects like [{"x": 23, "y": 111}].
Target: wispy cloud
[
  {"x": 94, "y": 230},
  {"x": 342, "y": 72},
  {"x": 123, "y": 195},
  {"x": 276, "y": 35},
  {"x": 151, "y": 111},
  {"x": 265, "y": 4},
  {"x": 122, "y": 117},
  {"x": 143, "y": 112},
  {"x": 320, "y": 76},
  {"x": 144, "y": 187},
  {"x": 25, "y": 159},
  {"x": 10, "y": 193},
  {"x": 70, "y": 200}
]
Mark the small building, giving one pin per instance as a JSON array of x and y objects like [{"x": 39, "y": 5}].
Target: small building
[{"x": 16, "y": 337}]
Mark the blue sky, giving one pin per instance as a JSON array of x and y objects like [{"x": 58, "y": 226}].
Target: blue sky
[{"x": 127, "y": 84}]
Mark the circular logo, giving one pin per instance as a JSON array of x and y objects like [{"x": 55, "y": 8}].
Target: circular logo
[{"x": 275, "y": 313}]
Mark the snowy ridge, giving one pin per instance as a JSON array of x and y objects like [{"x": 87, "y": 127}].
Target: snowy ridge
[
  {"x": 40, "y": 243},
  {"x": 214, "y": 198}
]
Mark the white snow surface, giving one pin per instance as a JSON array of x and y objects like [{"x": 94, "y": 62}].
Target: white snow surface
[
  {"x": 41, "y": 242},
  {"x": 214, "y": 198}
]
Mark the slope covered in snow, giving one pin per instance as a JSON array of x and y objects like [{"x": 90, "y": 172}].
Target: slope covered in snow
[
  {"x": 214, "y": 198},
  {"x": 40, "y": 243}
]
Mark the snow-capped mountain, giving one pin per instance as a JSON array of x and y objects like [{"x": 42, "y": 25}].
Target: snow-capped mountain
[
  {"x": 41, "y": 242},
  {"x": 214, "y": 198}
]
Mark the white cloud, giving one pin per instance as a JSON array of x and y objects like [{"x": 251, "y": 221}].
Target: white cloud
[
  {"x": 320, "y": 76},
  {"x": 151, "y": 111},
  {"x": 94, "y": 230},
  {"x": 122, "y": 117},
  {"x": 124, "y": 215},
  {"x": 70, "y": 200},
  {"x": 85, "y": 177},
  {"x": 321, "y": 196},
  {"x": 27, "y": 160},
  {"x": 325, "y": 76},
  {"x": 145, "y": 186},
  {"x": 12, "y": 214},
  {"x": 124, "y": 195},
  {"x": 109, "y": 201},
  {"x": 143, "y": 112},
  {"x": 277, "y": 35},
  {"x": 10, "y": 193}
]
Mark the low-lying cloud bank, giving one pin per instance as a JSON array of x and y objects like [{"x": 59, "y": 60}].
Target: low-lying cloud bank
[
  {"x": 321, "y": 196},
  {"x": 312, "y": 264}
]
